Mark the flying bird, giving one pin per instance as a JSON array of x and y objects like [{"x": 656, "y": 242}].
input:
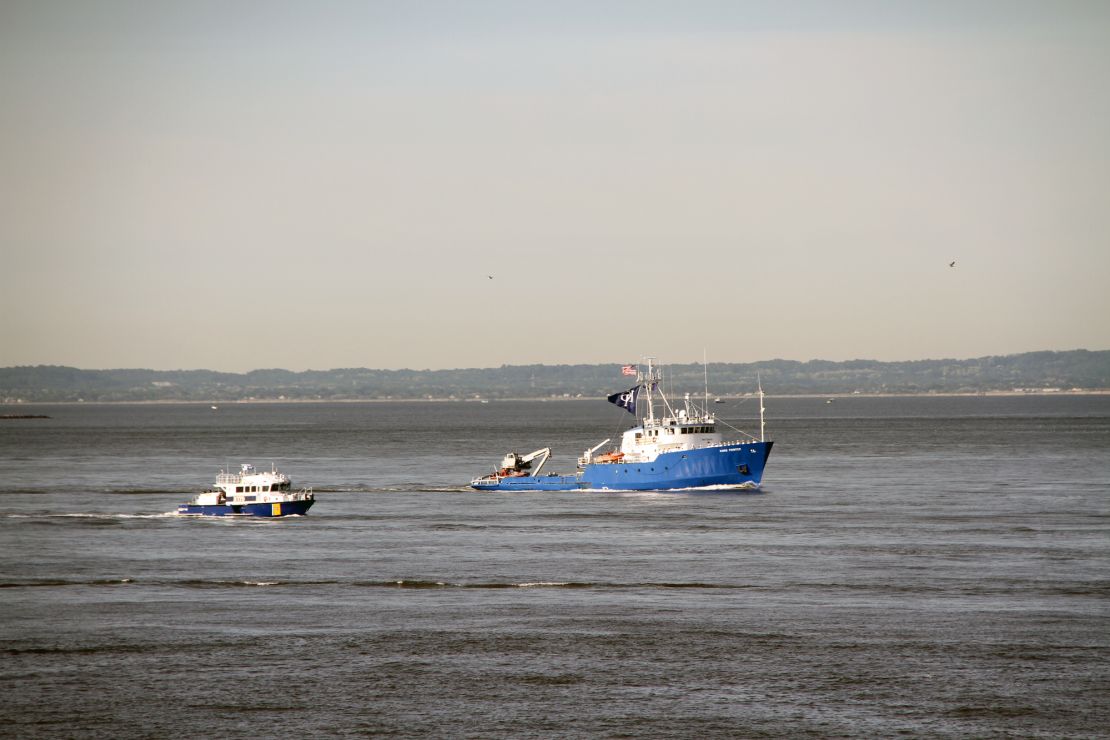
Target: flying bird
[{"x": 952, "y": 263}]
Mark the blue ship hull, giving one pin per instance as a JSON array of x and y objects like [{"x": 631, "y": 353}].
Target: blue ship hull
[
  {"x": 275, "y": 509},
  {"x": 730, "y": 465}
]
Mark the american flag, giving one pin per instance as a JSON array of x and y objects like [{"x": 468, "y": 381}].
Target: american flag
[{"x": 628, "y": 369}]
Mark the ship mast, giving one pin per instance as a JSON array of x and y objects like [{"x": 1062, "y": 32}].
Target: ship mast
[
  {"x": 762, "y": 438},
  {"x": 705, "y": 368},
  {"x": 650, "y": 418}
]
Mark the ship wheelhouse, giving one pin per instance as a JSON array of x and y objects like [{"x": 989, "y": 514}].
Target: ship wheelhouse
[{"x": 670, "y": 434}]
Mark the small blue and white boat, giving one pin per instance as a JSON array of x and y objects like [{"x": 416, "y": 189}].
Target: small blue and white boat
[
  {"x": 250, "y": 493},
  {"x": 682, "y": 449}
]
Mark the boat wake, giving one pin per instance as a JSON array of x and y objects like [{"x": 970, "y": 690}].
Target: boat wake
[
  {"x": 738, "y": 488},
  {"x": 88, "y": 515},
  {"x": 399, "y": 488}
]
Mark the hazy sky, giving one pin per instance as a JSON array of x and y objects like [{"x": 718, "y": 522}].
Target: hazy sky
[{"x": 237, "y": 185}]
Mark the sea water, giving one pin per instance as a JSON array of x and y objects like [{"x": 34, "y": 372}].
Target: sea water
[{"x": 923, "y": 566}]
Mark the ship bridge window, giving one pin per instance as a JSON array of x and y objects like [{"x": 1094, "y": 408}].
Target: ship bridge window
[{"x": 238, "y": 489}]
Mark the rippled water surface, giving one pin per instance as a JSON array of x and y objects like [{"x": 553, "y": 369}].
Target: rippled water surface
[{"x": 922, "y": 566}]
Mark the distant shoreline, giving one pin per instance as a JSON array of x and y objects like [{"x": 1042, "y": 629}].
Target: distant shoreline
[
  {"x": 1075, "y": 371},
  {"x": 559, "y": 399}
]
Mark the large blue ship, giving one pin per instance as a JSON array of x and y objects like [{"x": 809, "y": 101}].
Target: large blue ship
[{"x": 683, "y": 448}]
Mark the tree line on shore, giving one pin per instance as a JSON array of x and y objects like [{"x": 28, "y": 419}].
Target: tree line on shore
[{"x": 1031, "y": 371}]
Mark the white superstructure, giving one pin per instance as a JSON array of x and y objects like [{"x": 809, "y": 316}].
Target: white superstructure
[
  {"x": 250, "y": 486},
  {"x": 687, "y": 428}
]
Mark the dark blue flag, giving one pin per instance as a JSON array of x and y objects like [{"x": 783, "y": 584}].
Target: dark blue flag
[{"x": 627, "y": 399}]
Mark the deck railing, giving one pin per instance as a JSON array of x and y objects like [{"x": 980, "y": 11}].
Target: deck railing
[{"x": 235, "y": 478}]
